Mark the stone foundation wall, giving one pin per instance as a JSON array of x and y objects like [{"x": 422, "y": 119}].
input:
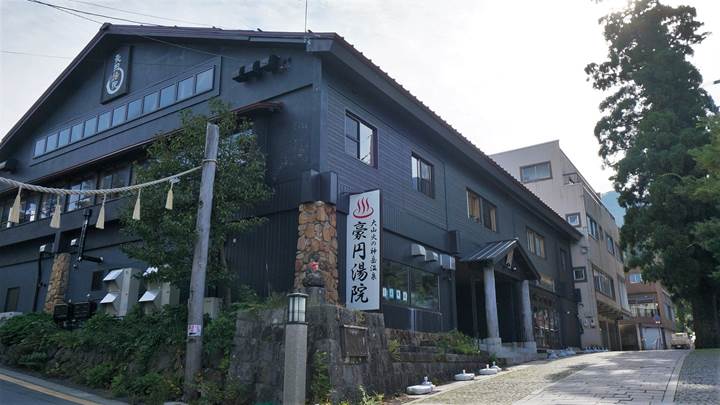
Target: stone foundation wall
[
  {"x": 317, "y": 242},
  {"x": 357, "y": 353},
  {"x": 258, "y": 354},
  {"x": 58, "y": 282}
]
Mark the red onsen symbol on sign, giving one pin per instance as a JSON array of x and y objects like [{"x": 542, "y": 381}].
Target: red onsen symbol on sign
[{"x": 363, "y": 209}]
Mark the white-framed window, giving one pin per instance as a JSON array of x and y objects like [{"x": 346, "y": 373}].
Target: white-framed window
[
  {"x": 574, "y": 219},
  {"x": 592, "y": 227},
  {"x": 579, "y": 274},
  {"x": 536, "y": 172},
  {"x": 610, "y": 244},
  {"x": 635, "y": 278},
  {"x": 603, "y": 283}
]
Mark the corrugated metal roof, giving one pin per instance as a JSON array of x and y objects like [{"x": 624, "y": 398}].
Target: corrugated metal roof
[{"x": 491, "y": 251}]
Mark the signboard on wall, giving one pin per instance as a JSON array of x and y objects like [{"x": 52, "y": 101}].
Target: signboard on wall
[
  {"x": 117, "y": 74},
  {"x": 362, "y": 264}
]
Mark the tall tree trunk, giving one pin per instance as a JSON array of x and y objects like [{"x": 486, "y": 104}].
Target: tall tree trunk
[{"x": 705, "y": 320}]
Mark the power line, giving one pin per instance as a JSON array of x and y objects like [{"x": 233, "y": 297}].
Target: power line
[
  {"x": 36, "y": 54},
  {"x": 65, "y": 9},
  {"x": 42, "y": 55},
  {"x": 141, "y": 14},
  {"x": 189, "y": 48},
  {"x": 78, "y": 15},
  {"x": 74, "y": 10}
]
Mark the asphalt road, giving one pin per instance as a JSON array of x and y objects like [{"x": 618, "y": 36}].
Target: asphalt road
[
  {"x": 15, "y": 394},
  {"x": 17, "y": 388}
]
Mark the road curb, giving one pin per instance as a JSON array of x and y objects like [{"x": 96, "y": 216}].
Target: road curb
[{"x": 671, "y": 388}]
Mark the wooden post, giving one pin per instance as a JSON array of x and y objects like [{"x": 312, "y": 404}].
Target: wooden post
[{"x": 193, "y": 352}]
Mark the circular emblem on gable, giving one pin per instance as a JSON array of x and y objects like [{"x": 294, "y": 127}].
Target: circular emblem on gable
[{"x": 115, "y": 81}]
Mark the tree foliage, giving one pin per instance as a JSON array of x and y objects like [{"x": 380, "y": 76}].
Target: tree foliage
[
  {"x": 653, "y": 120},
  {"x": 167, "y": 237},
  {"x": 706, "y": 190}
]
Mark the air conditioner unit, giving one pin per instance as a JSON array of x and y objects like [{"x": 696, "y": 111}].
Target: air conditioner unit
[
  {"x": 122, "y": 291},
  {"x": 158, "y": 295},
  {"x": 431, "y": 256},
  {"x": 417, "y": 250},
  {"x": 4, "y": 316},
  {"x": 447, "y": 262}
]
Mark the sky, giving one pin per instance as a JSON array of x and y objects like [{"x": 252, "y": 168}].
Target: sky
[{"x": 505, "y": 73}]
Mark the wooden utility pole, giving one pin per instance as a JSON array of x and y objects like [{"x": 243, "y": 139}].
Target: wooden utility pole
[{"x": 193, "y": 351}]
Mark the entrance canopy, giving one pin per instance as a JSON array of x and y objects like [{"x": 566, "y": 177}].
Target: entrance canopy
[{"x": 506, "y": 256}]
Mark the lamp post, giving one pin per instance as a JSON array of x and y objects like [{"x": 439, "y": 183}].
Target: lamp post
[{"x": 295, "y": 369}]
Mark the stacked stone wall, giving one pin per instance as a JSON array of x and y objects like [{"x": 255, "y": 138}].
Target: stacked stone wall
[
  {"x": 317, "y": 242},
  {"x": 366, "y": 361},
  {"x": 58, "y": 282}
]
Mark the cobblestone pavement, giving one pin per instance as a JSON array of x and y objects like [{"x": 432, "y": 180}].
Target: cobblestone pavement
[
  {"x": 612, "y": 377},
  {"x": 622, "y": 377},
  {"x": 699, "y": 381}
]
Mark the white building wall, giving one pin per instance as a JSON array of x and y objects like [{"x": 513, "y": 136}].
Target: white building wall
[{"x": 588, "y": 252}]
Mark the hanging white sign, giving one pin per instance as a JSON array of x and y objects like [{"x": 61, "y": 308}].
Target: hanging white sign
[{"x": 362, "y": 264}]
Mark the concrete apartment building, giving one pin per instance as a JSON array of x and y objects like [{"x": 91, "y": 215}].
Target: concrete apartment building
[
  {"x": 653, "y": 318},
  {"x": 598, "y": 271}
]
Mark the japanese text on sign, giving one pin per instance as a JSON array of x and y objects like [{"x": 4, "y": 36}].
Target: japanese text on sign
[{"x": 363, "y": 252}]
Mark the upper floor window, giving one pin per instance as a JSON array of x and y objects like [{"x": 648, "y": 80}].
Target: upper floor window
[
  {"x": 592, "y": 227},
  {"x": 422, "y": 176},
  {"x": 115, "y": 178},
  {"x": 482, "y": 211},
  {"x": 39, "y": 147},
  {"x": 536, "y": 243},
  {"x": 579, "y": 274},
  {"x": 538, "y": 171},
  {"x": 646, "y": 309},
  {"x": 474, "y": 210},
  {"x": 77, "y": 201},
  {"x": 103, "y": 121},
  {"x": 610, "y": 244},
  {"x": 573, "y": 219},
  {"x": 603, "y": 283},
  {"x": 635, "y": 278},
  {"x": 28, "y": 208},
  {"x": 360, "y": 140},
  {"x": 47, "y": 204}
]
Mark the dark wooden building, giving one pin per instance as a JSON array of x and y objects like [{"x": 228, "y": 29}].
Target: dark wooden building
[{"x": 331, "y": 124}]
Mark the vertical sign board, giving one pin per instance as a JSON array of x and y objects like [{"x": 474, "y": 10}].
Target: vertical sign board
[
  {"x": 362, "y": 263},
  {"x": 117, "y": 74}
]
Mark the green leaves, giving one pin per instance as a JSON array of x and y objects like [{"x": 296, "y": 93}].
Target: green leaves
[
  {"x": 166, "y": 238},
  {"x": 655, "y": 134}
]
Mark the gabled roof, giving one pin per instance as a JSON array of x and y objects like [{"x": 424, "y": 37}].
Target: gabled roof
[
  {"x": 491, "y": 251},
  {"x": 495, "y": 252},
  {"x": 326, "y": 45}
]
